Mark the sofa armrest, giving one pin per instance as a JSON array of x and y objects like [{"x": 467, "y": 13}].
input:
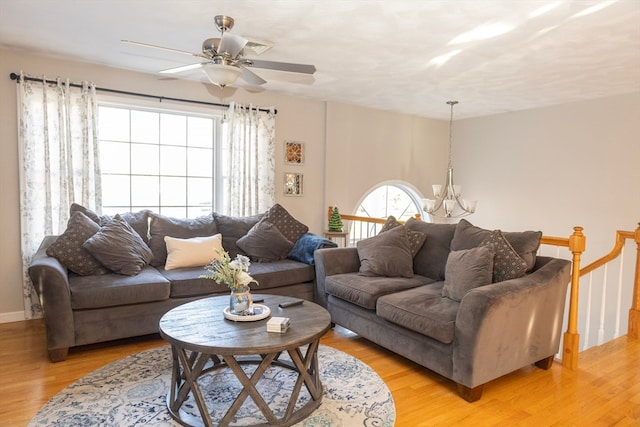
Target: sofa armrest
[
  {"x": 505, "y": 326},
  {"x": 51, "y": 281},
  {"x": 333, "y": 261}
]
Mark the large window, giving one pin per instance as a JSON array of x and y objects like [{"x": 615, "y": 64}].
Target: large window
[
  {"x": 156, "y": 159},
  {"x": 395, "y": 199}
]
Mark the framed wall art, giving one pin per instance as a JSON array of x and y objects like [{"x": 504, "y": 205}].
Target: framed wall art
[
  {"x": 293, "y": 184},
  {"x": 294, "y": 152}
]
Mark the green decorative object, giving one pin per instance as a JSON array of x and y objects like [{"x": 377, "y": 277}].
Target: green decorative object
[{"x": 335, "y": 223}]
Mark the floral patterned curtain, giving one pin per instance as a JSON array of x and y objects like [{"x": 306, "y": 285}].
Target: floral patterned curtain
[
  {"x": 248, "y": 151},
  {"x": 59, "y": 163}
]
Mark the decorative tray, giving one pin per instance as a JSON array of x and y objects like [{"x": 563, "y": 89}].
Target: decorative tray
[{"x": 266, "y": 311}]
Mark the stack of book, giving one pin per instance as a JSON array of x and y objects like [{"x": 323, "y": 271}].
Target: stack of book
[{"x": 278, "y": 324}]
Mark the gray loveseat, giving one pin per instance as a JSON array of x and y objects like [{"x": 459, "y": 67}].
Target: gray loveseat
[
  {"x": 107, "y": 278},
  {"x": 453, "y": 307}
]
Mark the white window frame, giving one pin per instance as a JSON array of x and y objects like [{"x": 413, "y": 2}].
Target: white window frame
[{"x": 216, "y": 113}]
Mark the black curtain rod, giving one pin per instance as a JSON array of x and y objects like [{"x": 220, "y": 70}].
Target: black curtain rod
[{"x": 15, "y": 77}]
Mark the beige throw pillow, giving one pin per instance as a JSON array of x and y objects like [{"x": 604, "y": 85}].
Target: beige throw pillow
[{"x": 193, "y": 252}]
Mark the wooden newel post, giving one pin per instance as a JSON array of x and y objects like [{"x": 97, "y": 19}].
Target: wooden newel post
[
  {"x": 634, "y": 311},
  {"x": 571, "y": 341}
]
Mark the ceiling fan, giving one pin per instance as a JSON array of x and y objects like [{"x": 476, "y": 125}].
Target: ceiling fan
[{"x": 222, "y": 58}]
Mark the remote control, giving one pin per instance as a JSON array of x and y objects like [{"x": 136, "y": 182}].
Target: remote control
[
  {"x": 291, "y": 303},
  {"x": 257, "y": 300}
]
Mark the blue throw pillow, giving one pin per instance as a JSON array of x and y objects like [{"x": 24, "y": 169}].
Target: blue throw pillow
[{"x": 306, "y": 245}]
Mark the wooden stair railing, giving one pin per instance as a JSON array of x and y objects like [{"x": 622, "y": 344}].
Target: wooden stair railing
[
  {"x": 571, "y": 339},
  {"x": 621, "y": 238}
]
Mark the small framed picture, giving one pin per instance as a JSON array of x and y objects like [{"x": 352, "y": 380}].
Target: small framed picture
[
  {"x": 294, "y": 152},
  {"x": 293, "y": 185}
]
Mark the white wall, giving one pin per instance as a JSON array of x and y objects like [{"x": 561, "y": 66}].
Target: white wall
[{"x": 554, "y": 168}]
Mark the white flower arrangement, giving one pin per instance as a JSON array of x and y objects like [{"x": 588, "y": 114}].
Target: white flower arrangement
[{"x": 233, "y": 273}]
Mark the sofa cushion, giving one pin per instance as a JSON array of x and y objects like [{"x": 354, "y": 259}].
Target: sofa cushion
[
  {"x": 68, "y": 246},
  {"x": 290, "y": 227},
  {"x": 265, "y": 243},
  {"x": 431, "y": 259},
  {"x": 507, "y": 264},
  {"x": 186, "y": 282},
  {"x": 365, "y": 291},
  {"x": 119, "y": 247},
  {"x": 193, "y": 252},
  {"x": 416, "y": 238},
  {"x": 139, "y": 221},
  {"x": 161, "y": 226},
  {"x": 467, "y": 269},
  {"x": 232, "y": 228},
  {"x": 422, "y": 310},
  {"x": 115, "y": 289},
  {"x": 387, "y": 254},
  {"x": 469, "y": 236}
]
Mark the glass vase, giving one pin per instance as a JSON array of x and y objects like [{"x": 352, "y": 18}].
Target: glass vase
[{"x": 240, "y": 303}]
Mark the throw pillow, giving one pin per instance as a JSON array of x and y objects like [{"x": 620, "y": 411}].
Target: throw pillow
[
  {"x": 290, "y": 227},
  {"x": 68, "y": 246},
  {"x": 507, "y": 264},
  {"x": 387, "y": 254},
  {"x": 416, "y": 238},
  {"x": 161, "y": 226},
  {"x": 306, "y": 246},
  {"x": 467, "y": 269},
  {"x": 265, "y": 243},
  {"x": 469, "y": 236},
  {"x": 232, "y": 228},
  {"x": 391, "y": 222},
  {"x": 193, "y": 252},
  {"x": 139, "y": 221},
  {"x": 119, "y": 247}
]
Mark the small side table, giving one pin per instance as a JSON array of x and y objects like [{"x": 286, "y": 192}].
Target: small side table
[{"x": 344, "y": 235}]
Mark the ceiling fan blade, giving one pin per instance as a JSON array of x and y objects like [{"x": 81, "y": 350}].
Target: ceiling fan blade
[
  {"x": 231, "y": 44},
  {"x": 284, "y": 66},
  {"x": 251, "y": 77},
  {"x": 168, "y": 49},
  {"x": 182, "y": 68}
]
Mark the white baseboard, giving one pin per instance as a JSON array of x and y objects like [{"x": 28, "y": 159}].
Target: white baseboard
[{"x": 16, "y": 316}]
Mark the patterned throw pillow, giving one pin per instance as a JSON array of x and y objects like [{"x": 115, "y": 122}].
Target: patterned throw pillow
[
  {"x": 392, "y": 222},
  {"x": 290, "y": 227},
  {"x": 119, "y": 247},
  {"x": 507, "y": 264},
  {"x": 416, "y": 238},
  {"x": 68, "y": 246}
]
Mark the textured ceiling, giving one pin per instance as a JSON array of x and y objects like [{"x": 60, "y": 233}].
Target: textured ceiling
[{"x": 409, "y": 56}]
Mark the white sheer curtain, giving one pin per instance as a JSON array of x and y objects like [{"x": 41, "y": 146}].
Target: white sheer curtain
[
  {"x": 248, "y": 160},
  {"x": 58, "y": 143}
]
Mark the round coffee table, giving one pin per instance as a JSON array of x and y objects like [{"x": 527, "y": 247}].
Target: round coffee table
[{"x": 202, "y": 340}]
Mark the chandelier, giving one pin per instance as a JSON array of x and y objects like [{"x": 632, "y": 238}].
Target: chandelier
[{"x": 448, "y": 202}]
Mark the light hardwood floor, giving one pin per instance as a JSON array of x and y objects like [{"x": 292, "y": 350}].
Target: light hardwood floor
[{"x": 604, "y": 391}]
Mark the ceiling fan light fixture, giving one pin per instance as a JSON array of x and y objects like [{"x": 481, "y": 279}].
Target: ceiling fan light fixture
[{"x": 221, "y": 74}]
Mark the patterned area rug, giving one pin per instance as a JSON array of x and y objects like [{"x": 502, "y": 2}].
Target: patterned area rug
[{"x": 132, "y": 392}]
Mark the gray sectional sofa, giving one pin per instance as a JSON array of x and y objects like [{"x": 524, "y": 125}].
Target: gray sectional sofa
[
  {"x": 107, "y": 278},
  {"x": 455, "y": 299}
]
